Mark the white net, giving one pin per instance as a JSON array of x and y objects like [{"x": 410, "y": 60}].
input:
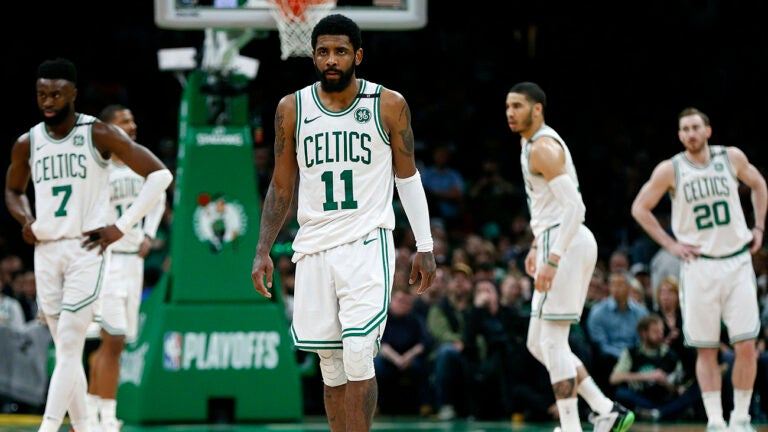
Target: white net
[{"x": 295, "y": 21}]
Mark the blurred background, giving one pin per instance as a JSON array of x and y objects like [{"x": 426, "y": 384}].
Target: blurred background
[{"x": 616, "y": 75}]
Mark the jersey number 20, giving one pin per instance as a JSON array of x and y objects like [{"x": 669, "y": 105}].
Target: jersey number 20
[{"x": 707, "y": 217}]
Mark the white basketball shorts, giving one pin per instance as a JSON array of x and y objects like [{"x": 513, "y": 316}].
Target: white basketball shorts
[
  {"x": 565, "y": 301},
  {"x": 343, "y": 291},
  {"x": 121, "y": 297},
  {"x": 719, "y": 291},
  {"x": 68, "y": 276}
]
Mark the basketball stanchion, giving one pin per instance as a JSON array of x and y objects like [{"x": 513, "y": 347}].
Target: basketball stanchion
[{"x": 295, "y": 20}]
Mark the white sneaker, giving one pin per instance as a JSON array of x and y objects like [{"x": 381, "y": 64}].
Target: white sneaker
[
  {"x": 741, "y": 425},
  {"x": 112, "y": 425},
  {"x": 446, "y": 413},
  {"x": 716, "y": 428},
  {"x": 618, "y": 420}
]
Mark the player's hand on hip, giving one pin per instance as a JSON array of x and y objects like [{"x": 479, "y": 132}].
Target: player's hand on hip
[
  {"x": 263, "y": 268},
  {"x": 685, "y": 252},
  {"x": 27, "y": 234},
  {"x": 145, "y": 247},
  {"x": 424, "y": 266},
  {"x": 101, "y": 237}
]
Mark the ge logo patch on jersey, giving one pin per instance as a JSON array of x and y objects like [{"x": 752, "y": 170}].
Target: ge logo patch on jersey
[
  {"x": 78, "y": 141},
  {"x": 363, "y": 115},
  {"x": 718, "y": 167}
]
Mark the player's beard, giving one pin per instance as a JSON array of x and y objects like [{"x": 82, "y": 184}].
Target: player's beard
[
  {"x": 527, "y": 121},
  {"x": 335, "y": 86},
  {"x": 60, "y": 116}
]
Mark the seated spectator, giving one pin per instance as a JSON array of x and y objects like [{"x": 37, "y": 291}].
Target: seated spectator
[
  {"x": 445, "y": 323},
  {"x": 487, "y": 194},
  {"x": 434, "y": 294},
  {"x": 612, "y": 326},
  {"x": 444, "y": 186},
  {"x": 649, "y": 376},
  {"x": 618, "y": 261},
  {"x": 515, "y": 292},
  {"x": 401, "y": 366},
  {"x": 493, "y": 339},
  {"x": 11, "y": 313},
  {"x": 25, "y": 289},
  {"x": 9, "y": 265},
  {"x": 668, "y": 301},
  {"x": 642, "y": 273}
]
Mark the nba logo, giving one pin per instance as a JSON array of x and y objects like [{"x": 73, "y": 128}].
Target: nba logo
[{"x": 172, "y": 347}]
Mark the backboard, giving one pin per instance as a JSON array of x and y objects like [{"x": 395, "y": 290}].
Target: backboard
[{"x": 255, "y": 14}]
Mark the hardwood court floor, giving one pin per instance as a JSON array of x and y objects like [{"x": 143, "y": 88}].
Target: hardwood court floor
[{"x": 28, "y": 423}]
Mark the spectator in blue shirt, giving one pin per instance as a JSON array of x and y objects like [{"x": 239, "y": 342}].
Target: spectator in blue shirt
[{"x": 612, "y": 325}]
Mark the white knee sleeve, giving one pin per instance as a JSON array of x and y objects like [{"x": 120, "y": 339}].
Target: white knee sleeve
[
  {"x": 358, "y": 357},
  {"x": 535, "y": 349},
  {"x": 557, "y": 353},
  {"x": 559, "y": 363},
  {"x": 332, "y": 367}
]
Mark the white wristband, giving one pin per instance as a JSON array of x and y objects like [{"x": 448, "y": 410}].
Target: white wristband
[
  {"x": 155, "y": 185},
  {"x": 414, "y": 201}
]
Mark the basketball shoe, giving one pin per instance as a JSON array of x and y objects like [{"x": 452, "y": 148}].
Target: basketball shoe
[{"x": 618, "y": 420}]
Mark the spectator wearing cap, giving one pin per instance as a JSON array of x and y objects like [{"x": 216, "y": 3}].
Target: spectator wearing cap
[{"x": 642, "y": 272}]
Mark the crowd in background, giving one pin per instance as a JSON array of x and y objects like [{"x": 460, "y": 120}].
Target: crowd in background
[
  {"x": 459, "y": 350},
  {"x": 472, "y": 322}
]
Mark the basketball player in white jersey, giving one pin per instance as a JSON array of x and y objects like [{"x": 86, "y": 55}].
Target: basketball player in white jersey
[
  {"x": 121, "y": 296},
  {"x": 349, "y": 142},
  {"x": 561, "y": 261},
  {"x": 711, "y": 236},
  {"x": 66, "y": 156}
]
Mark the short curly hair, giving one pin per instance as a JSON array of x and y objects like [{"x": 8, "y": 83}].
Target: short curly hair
[
  {"x": 58, "y": 68},
  {"x": 337, "y": 24}
]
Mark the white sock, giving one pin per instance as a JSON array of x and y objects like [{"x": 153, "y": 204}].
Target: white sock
[
  {"x": 741, "y": 401},
  {"x": 594, "y": 397},
  {"x": 49, "y": 425},
  {"x": 108, "y": 410},
  {"x": 713, "y": 406},
  {"x": 81, "y": 425},
  {"x": 569, "y": 414},
  {"x": 92, "y": 402}
]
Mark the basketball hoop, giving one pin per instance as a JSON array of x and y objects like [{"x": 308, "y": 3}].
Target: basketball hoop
[{"x": 295, "y": 21}]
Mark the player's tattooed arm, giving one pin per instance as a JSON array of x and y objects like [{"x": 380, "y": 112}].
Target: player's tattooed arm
[{"x": 405, "y": 131}]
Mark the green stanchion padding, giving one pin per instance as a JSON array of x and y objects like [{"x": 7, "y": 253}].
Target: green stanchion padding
[
  {"x": 208, "y": 343},
  {"x": 190, "y": 355},
  {"x": 216, "y": 206}
]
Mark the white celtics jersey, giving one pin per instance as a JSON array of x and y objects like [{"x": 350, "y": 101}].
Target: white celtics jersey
[
  {"x": 124, "y": 187},
  {"x": 706, "y": 208},
  {"x": 71, "y": 182},
  {"x": 346, "y": 179},
  {"x": 545, "y": 210}
]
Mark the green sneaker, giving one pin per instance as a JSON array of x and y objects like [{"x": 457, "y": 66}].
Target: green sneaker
[{"x": 618, "y": 420}]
